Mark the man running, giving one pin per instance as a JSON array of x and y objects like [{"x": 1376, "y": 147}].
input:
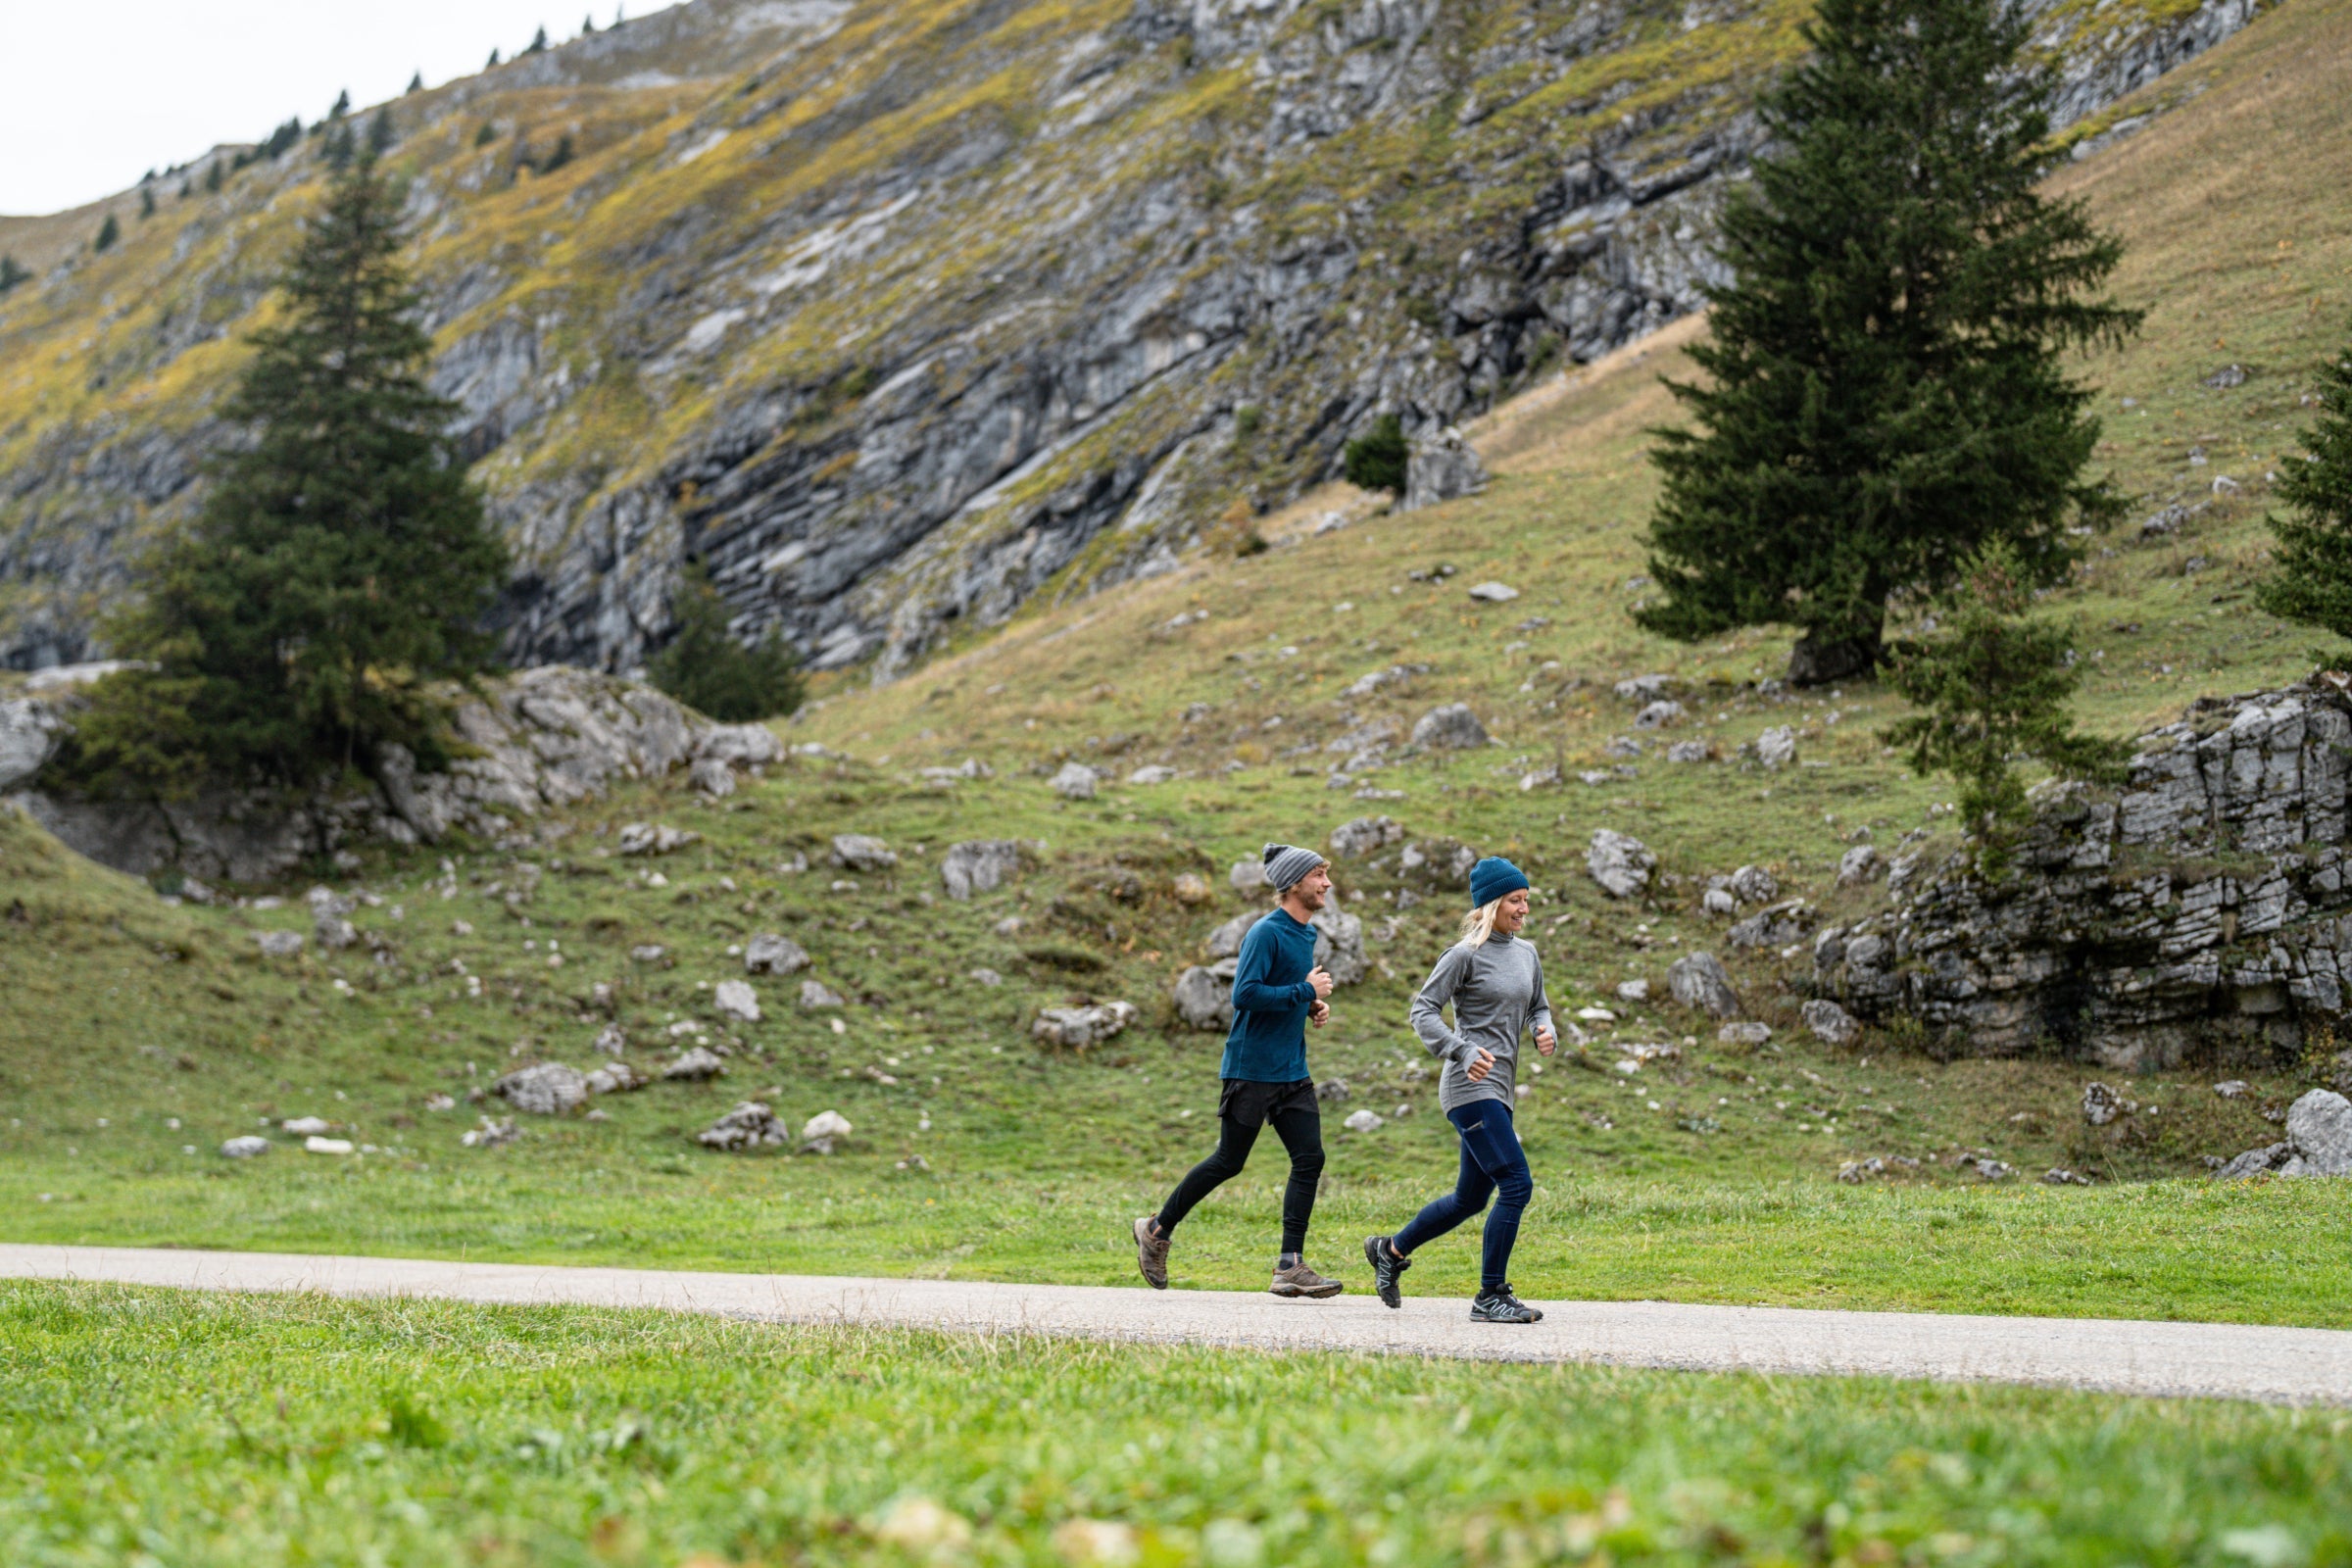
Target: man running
[{"x": 1278, "y": 990}]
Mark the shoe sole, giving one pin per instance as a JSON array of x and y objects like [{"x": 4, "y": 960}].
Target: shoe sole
[
  {"x": 1391, "y": 1298},
  {"x": 1160, "y": 1284},
  {"x": 1293, "y": 1293}
]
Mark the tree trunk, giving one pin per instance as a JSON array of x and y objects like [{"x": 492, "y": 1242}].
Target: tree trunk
[{"x": 1818, "y": 661}]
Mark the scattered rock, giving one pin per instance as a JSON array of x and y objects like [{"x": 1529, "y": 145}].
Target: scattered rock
[
  {"x": 1439, "y": 467},
  {"x": 1690, "y": 752},
  {"x": 1439, "y": 861},
  {"x": 1620, "y": 862},
  {"x": 2254, "y": 1163},
  {"x": 1452, "y": 726},
  {"x": 612, "y": 1040},
  {"x": 735, "y": 998},
  {"x": 2101, "y": 1105},
  {"x": 1152, "y": 773},
  {"x": 1829, "y": 1023},
  {"x": 2060, "y": 1176},
  {"x": 1860, "y": 866},
  {"x": 651, "y": 952},
  {"x": 615, "y": 1078},
  {"x": 820, "y": 1132},
  {"x": 817, "y": 993},
  {"x": 1203, "y": 999},
  {"x": 2226, "y": 378},
  {"x": 1659, "y": 714},
  {"x": 1191, "y": 887},
  {"x": 1776, "y": 925},
  {"x": 306, "y": 1126},
  {"x": 2319, "y": 1124},
  {"x": 1076, "y": 782},
  {"x": 1719, "y": 902},
  {"x": 1993, "y": 1170},
  {"x": 1494, "y": 593},
  {"x": 861, "y": 852},
  {"x": 2230, "y": 1089},
  {"x": 750, "y": 1125},
  {"x": 1699, "y": 980},
  {"x": 490, "y": 1134},
  {"x": 326, "y": 1146},
  {"x": 1744, "y": 1032},
  {"x": 246, "y": 1146},
  {"x": 1246, "y": 874},
  {"x": 696, "y": 1065},
  {"x": 1643, "y": 688},
  {"x": 1752, "y": 884},
  {"x": 1542, "y": 778},
  {"x": 979, "y": 865},
  {"x": 712, "y": 778},
  {"x": 987, "y": 976},
  {"x": 1339, "y": 942},
  {"x": 1361, "y": 836},
  {"x": 769, "y": 954},
  {"x": 1775, "y": 748},
  {"x": 279, "y": 943},
  {"x": 1633, "y": 991},
  {"x": 1226, "y": 940},
  {"x": 1076, "y": 1028},
  {"x": 653, "y": 838},
  {"x": 547, "y": 1089}
]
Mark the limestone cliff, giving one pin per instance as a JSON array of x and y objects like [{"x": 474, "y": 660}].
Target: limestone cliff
[{"x": 899, "y": 311}]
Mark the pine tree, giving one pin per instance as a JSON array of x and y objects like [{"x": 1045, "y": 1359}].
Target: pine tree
[
  {"x": 538, "y": 43},
  {"x": 1886, "y": 385},
  {"x": 2312, "y": 581},
  {"x": 339, "y": 148},
  {"x": 187, "y": 188},
  {"x": 416, "y": 82},
  {"x": 213, "y": 177},
  {"x": 587, "y": 25},
  {"x": 12, "y": 273},
  {"x": 108, "y": 232},
  {"x": 382, "y": 133},
  {"x": 1993, "y": 686},
  {"x": 1377, "y": 459},
  {"x": 493, "y": 60},
  {"x": 342, "y": 105},
  {"x": 337, "y": 565},
  {"x": 705, "y": 667},
  {"x": 487, "y": 134},
  {"x": 559, "y": 156},
  {"x": 146, "y": 203}
]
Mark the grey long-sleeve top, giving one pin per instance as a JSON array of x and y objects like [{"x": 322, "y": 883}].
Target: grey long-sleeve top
[{"x": 1496, "y": 990}]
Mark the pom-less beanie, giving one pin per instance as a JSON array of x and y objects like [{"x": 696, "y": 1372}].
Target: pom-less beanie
[
  {"x": 1492, "y": 878},
  {"x": 1286, "y": 863}
]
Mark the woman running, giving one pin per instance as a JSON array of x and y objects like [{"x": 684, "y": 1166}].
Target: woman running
[{"x": 1496, "y": 984}]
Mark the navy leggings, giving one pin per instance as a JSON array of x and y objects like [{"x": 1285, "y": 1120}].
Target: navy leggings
[{"x": 1492, "y": 1166}]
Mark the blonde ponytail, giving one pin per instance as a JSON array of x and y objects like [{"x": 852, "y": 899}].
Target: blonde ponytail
[{"x": 1479, "y": 924}]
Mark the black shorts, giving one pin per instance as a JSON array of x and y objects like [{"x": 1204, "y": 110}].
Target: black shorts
[{"x": 1253, "y": 1104}]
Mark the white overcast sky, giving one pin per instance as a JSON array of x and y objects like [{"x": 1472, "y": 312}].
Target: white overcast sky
[{"x": 95, "y": 92}]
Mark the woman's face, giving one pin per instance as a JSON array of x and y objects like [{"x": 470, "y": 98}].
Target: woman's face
[{"x": 1512, "y": 913}]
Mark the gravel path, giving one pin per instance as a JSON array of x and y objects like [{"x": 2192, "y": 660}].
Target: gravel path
[{"x": 2220, "y": 1360}]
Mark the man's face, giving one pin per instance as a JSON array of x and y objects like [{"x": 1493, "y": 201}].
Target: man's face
[{"x": 1312, "y": 889}]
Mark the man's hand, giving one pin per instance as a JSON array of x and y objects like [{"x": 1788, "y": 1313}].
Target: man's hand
[
  {"x": 1321, "y": 978},
  {"x": 1480, "y": 1065},
  {"x": 1546, "y": 1042},
  {"x": 1318, "y": 1012}
]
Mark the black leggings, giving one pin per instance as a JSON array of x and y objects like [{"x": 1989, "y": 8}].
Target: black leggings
[{"x": 1301, "y": 1134}]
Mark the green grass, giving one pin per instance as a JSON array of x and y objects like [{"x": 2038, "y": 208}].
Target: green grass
[{"x": 153, "y": 1427}]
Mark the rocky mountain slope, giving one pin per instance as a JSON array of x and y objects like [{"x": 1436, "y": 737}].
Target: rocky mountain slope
[{"x": 898, "y": 312}]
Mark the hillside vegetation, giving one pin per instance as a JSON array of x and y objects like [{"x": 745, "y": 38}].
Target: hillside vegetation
[{"x": 896, "y": 311}]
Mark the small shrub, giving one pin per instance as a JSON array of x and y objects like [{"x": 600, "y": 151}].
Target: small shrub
[
  {"x": 705, "y": 667},
  {"x": 1247, "y": 418},
  {"x": 1376, "y": 459}
]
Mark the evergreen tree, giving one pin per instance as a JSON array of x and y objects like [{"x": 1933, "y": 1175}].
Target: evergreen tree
[
  {"x": 283, "y": 137},
  {"x": 12, "y": 273},
  {"x": 146, "y": 203},
  {"x": 416, "y": 82},
  {"x": 337, "y": 564},
  {"x": 339, "y": 148},
  {"x": 1886, "y": 388},
  {"x": 1993, "y": 686},
  {"x": 382, "y": 133},
  {"x": 212, "y": 176},
  {"x": 2312, "y": 582},
  {"x": 587, "y": 25},
  {"x": 1377, "y": 459},
  {"x": 486, "y": 135},
  {"x": 342, "y": 105},
  {"x": 493, "y": 60},
  {"x": 538, "y": 43},
  {"x": 705, "y": 667},
  {"x": 108, "y": 232},
  {"x": 559, "y": 156},
  {"x": 187, "y": 188}
]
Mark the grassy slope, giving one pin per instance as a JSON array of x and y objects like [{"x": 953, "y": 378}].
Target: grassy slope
[
  {"x": 420, "y": 1433},
  {"x": 1032, "y": 1162}
]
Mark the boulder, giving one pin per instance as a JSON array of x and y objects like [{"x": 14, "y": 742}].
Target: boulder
[
  {"x": 1620, "y": 862},
  {"x": 735, "y": 998},
  {"x": 1451, "y": 727},
  {"x": 1366, "y": 1120},
  {"x": 817, "y": 993},
  {"x": 488, "y": 1134},
  {"x": 712, "y": 778},
  {"x": 1776, "y": 925},
  {"x": 1077, "y": 1028},
  {"x": 1829, "y": 1023},
  {"x": 653, "y": 838},
  {"x": 29, "y": 736},
  {"x": 979, "y": 865},
  {"x": 1699, "y": 980},
  {"x": 1440, "y": 465},
  {"x": 547, "y": 1089},
  {"x": 1438, "y": 860},
  {"x": 1191, "y": 887},
  {"x": 739, "y": 745},
  {"x": 1226, "y": 940},
  {"x": 861, "y": 852},
  {"x": 1775, "y": 748},
  {"x": 1359, "y": 836},
  {"x": 306, "y": 1126},
  {"x": 2254, "y": 1163},
  {"x": 1658, "y": 715},
  {"x": 2101, "y": 1105},
  {"x": 1744, "y": 1032},
  {"x": 1076, "y": 782},
  {"x": 245, "y": 1147},
  {"x": 1152, "y": 773},
  {"x": 769, "y": 954},
  {"x": 1202, "y": 1000},
  {"x": 695, "y": 1067},
  {"x": 1860, "y": 866},
  {"x": 1690, "y": 752},
  {"x": 615, "y": 1078},
  {"x": 1752, "y": 884},
  {"x": 2320, "y": 1126},
  {"x": 278, "y": 943},
  {"x": 1494, "y": 593},
  {"x": 820, "y": 1132},
  {"x": 750, "y": 1125},
  {"x": 1340, "y": 943}
]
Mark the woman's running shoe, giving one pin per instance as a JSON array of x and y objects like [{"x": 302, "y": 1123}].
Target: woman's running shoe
[
  {"x": 1300, "y": 1280},
  {"x": 1502, "y": 1306},
  {"x": 1387, "y": 1268},
  {"x": 1152, "y": 1253}
]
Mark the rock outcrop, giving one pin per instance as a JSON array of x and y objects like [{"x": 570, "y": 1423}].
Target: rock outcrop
[
  {"x": 2203, "y": 905},
  {"x": 536, "y": 741}
]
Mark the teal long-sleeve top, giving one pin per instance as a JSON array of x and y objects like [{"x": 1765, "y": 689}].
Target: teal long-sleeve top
[{"x": 1271, "y": 996}]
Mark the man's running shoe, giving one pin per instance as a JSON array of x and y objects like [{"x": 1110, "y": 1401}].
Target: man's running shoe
[
  {"x": 1387, "y": 1269},
  {"x": 1502, "y": 1306},
  {"x": 1299, "y": 1280},
  {"x": 1152, "y": 1253}
]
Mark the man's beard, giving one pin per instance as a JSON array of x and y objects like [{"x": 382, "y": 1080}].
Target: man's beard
[{"x": 1313, "y": 901}]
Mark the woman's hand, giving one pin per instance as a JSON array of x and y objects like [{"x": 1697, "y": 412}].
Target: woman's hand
[
  {"x": 1545, "y": 1041},
  {"x": 1479, "y": 1066},
  {"x": 1317, "y": 1013}
]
